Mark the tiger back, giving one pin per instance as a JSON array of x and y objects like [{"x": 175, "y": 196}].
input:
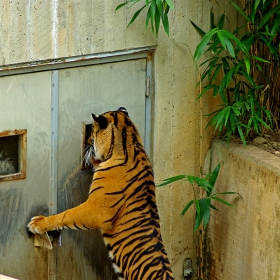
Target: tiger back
[{"x": 121, "y": 201}]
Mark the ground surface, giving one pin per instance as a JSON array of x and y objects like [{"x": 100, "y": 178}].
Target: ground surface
[{"x": 271, "y": 143}]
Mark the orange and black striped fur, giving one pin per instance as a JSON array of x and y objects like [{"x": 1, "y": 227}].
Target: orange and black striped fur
[{"x": 121, "y": 202}]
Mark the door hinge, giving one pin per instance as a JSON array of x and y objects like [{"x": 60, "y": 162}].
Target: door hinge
[{"x": 148, "y": 86}]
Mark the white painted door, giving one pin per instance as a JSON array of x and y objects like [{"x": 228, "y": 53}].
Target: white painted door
[{"x": 82, "y": 91}]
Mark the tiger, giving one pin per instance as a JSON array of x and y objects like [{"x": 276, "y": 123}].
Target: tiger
[{"x": 121, "y": 201}]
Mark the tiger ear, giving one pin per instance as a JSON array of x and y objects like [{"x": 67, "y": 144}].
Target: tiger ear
[
  {"x": 101, "y": 120},
  {"x": 122, "y": 109}
]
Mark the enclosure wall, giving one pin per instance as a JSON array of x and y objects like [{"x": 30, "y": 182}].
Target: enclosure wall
[
  {"x": 41, "y": 31},
  {"x": 243, "y": 241}
]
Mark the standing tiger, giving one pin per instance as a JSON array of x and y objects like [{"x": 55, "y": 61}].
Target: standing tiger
[{"x": 121, "y": 201}]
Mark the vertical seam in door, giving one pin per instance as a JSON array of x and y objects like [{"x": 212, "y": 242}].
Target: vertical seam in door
[
  {"x": 54, "y": 144},
  {"x": 52, "y": 256}
]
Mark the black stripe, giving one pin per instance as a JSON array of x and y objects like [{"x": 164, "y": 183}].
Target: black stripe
[
  {"x": 115, "y": 116},
  {"x": 111, "y": 149},
  {"x": 128, "y": 185},
  {"x": 148, "y": 251},
  {"x": 115, "y": 216},
  {"x": 118, "y": 201},
  {"x": 99, "y": 178},
  {"x": 145, "y": 168},
  {"x": 145, "y": 184},
  {"x": 146, "y": 222},
  {"x": 134, "y": 167},
  {"x": 124, "y": 140},
  {"x": 86, "y": 227},
  {"x": 96, "y": 189},
  {"x": 76, "y": 226}
]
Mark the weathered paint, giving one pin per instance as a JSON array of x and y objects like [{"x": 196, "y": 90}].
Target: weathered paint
[{"x": 243, "y": 241}]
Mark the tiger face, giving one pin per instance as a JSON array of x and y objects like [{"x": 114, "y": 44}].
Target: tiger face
[{"x": 109, "y": 134}]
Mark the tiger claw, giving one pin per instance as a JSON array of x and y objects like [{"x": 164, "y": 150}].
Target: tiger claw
[{"x": 33, "y": 225}]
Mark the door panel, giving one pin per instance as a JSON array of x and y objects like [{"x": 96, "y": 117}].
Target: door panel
[
  {"x": 82, "y": 91},
  {"x": 25, "y": 104}
]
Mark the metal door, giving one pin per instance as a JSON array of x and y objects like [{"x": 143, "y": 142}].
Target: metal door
[
  {"x": 54, "y": 106},
  {"x": 25, "y": 103},
  {"x": 82, "y": 91}
]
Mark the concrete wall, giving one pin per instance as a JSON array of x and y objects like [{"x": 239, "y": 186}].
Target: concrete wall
[
  {"x": 33, "y": 30},
  {"x": 243, "y": 241}
]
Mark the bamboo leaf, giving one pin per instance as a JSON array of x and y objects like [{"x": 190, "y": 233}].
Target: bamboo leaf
[
  {"x": 260, "y": 59},
  {"x": 206, "y": 214},
  {"x": 217, "y": 70},
  {"x": 276, "y": 26},
  {"x": 221, "y": 21},
  {"x": 221, "y": 200},
  {"x": 165, "y": 22},
  {"x": 202, "y": 45},
  {"x": 214, "y": 175},
  {"x": 121, "y": 5},
  {"x": 200, "y": 182},
  {"x": 200, "y": 31},
  {"x": 170, "y": 4},
  {"x": 157, "y": 19},
  {"x": 266, "y": 17},
  {"x": 171, "y": 180},
  {"x": 213, "y": 207},
  {"x": 204, "y": 90},
  {"x": 136, "y": 15},
  {"x": 226, "y": 193},
  {"x": 240, "y": 11},
  {"x": 241, "y": 134},
  {"x": 257, "y": 2},
  {"x": 235, "y": 39},
  {"x": 247, "y": 64},
  {"x": 186, "y": 208},
  {"x": 229, "y": 47},
  {"x": 222, "y": 40},
  {"x": 159, "y": 6},
  {"x": 225, "y": 81},
  {"x": 197, "y": 207},
  {"x": 263, "y": 123},
  {"x": 269, "y": 45}
]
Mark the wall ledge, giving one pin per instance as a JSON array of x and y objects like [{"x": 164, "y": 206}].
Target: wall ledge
[{"x": 251, "y": 152}]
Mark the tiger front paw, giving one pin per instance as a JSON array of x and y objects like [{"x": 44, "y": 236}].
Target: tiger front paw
[{"x": 37, "y": 225}]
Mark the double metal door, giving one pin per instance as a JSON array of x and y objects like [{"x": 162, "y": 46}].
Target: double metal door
[{"x": 54, "y": 107}]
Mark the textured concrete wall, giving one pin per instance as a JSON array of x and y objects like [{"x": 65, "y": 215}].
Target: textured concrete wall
[
  {"x": 244, "y": 240},
  {"x": 33, "y": 30}
]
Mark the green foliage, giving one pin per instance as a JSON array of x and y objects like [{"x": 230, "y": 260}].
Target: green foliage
[
  {"x": 157, "y": 11},
  {"x": 233, "y": 70},
  {"x": 202, "y": 205}
]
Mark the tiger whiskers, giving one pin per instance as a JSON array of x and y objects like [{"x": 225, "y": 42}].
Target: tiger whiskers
[{"x": 88, "y": 155}]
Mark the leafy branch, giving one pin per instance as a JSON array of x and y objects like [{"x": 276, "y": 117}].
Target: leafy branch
[
  {"x": 204, "y": 204},
  {"x": 236, "y": 73},
  {"x": 156, "y": 12}
]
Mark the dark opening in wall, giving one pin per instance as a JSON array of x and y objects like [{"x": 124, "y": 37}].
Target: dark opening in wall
[
  {"x": 9, "y": 162},
  {"x": 13, "y": 154}
]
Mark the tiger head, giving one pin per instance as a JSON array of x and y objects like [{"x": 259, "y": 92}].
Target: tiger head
[{"x": 112, "y": 135}]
